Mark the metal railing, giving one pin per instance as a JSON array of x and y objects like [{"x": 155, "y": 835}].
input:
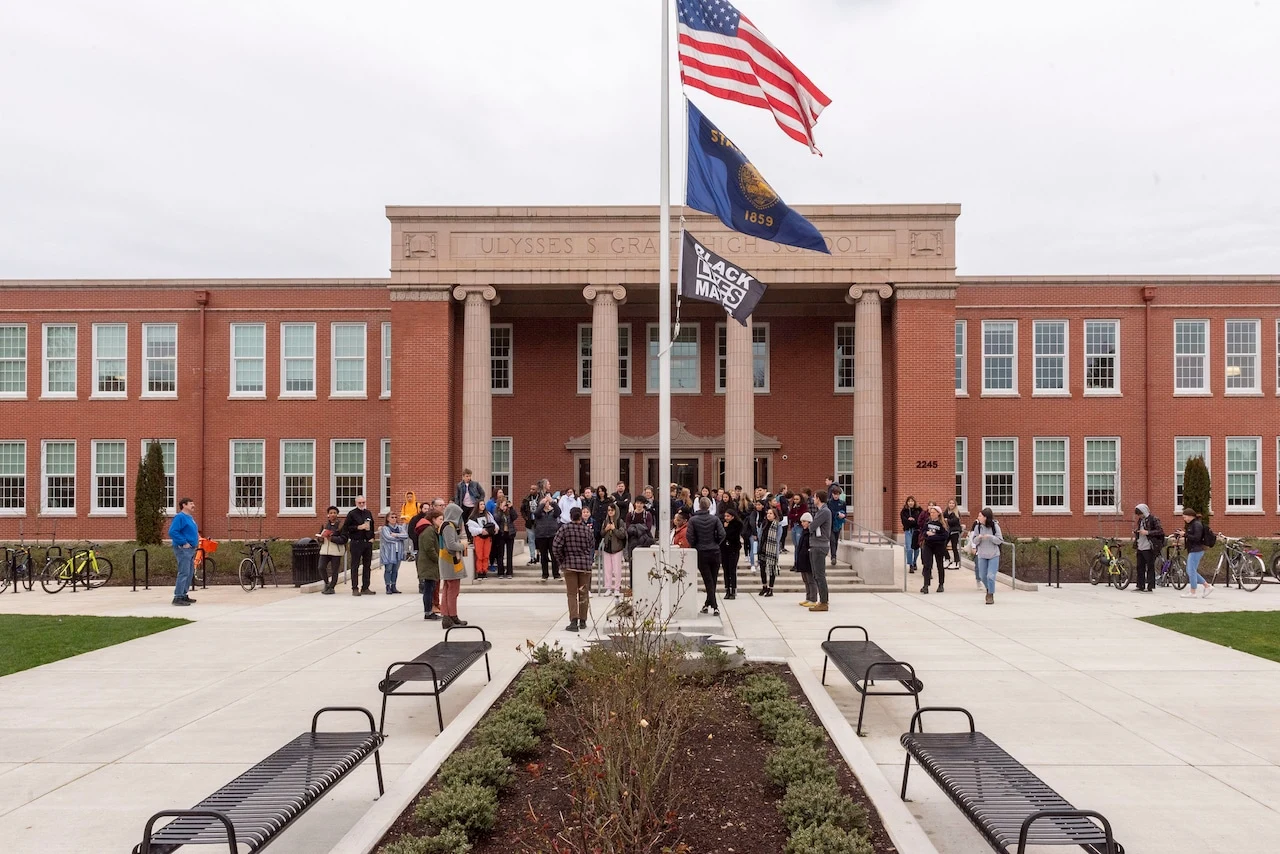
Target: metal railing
[
  {"x": 1055, "y": 566},
  {"x": 852, "y": 532},
  {"x": 146, "y": 568}
]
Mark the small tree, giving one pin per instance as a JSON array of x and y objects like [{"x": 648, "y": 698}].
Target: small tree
[
  {"x": 149, "y": 497},
  {"x": 1196, "y": 494}
]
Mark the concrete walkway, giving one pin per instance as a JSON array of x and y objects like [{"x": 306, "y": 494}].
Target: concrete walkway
[{"x": 1171, "y": 737}]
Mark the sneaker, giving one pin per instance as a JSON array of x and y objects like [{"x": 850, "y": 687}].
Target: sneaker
[
  {"x": 180, "y": 602},
  {"x": 328, "y": 591},
  {"x": 715, "y": 612},
  {"x": 912, "y": 570},
  {"x": 807, "y": 604},
  {"x": 543, "y": 580},
  {"x": 1190, "y": 594},
  {"x": 991, "y": 599},
  {"x": 821, "y": 606},
  {"x": 355, "y": 591},
  {"x": 1138, "y": 590},
  {"x": 1208, "y": 588},
  {"x": 189, "y": 600},
  {"x": 432, "y": 616}
]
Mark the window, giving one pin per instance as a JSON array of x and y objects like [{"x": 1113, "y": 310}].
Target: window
[
  {"x": 1191, "y": 356},
  {"x": 60, "y": 360},
  {"x": 1101, "y": 475},
  {"x": 1184, "y": 448},
  {"x": 59, "y": 478},
  {"x": 844, "y": 466},
  {"x": 169, "y": 453},
  {"x": 1000, "y": 474},
  {"x": 1243, "y": 352},
  {"x": 962, "y": 379},
  {"x": 348, "y": 472},
  {"x": 1101, "y": 356},
  {"x": 13, "y": 359},
  {"x": 297, "y": 477},
  {"x": 962, "y": 473},
  {"x": 108, "y": 478},
  {"x": 1051, "y": 475},
  {"x": 685, "y": 374},
  {"x": 248, "y": 360},
  {"x": 1244, "y": 473},
  {"x": 348, "y": 360},
  {"x": 759, "y": 357},
  {"x": 500, "y": 346},
  {"x": 999, "y": 357},
  {"x": 13, "y": 478},
  {"x": 110, "y": 358},
  {"x": 297, "y": 360},
  {"x": 585, "y": 358},
  {"x": 160, "y": 359},
  {"x": 845, "y": 376},
  {"x": 1050, "y": 356},
  {"x": 248, "y": 476},
  {"x": 386, "y": 360},
  {"x": 500, "y": 477},
  {"x": 386, "y": 475}
]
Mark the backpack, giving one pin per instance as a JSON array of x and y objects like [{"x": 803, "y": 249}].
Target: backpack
[
  {"x": 1210, "y": 538},
  {"x": 1155, "y": 532}
]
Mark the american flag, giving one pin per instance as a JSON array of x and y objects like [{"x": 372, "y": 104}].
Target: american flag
[{"x": 722, "y": 53}]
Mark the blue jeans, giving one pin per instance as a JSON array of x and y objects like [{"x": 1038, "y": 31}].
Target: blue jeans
[
  {"x": 427, "y": 587},
  {"x": 753, "y": 552},
  {"x": 533, "y": 544},
  {"x": 911, "y": 550},
  {"x": 186, "y": 557},
  {"x": 389, "y": 573},
  {"x": 988, "y": 567},
  {"x": 1193, "y": 574},
  {"x": 797, "y": 531}
]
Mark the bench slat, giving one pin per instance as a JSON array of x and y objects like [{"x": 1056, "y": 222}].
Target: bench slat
[
  {"x": 853, "y": 658},
  {"x": 449, "y": 658}
]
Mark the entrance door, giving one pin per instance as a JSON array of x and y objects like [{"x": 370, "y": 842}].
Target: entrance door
[{"x": 684, "y": 472}]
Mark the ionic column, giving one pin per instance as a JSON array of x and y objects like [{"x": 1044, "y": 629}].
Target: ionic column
[
  {"x": 605, "y": 410},
  {"x": 477, "y": 402},
  {"x": 739, "y": 408},
  {"x": 868, "y": 407}
]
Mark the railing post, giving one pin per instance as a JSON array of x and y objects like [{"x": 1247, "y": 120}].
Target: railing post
[{"x": 146, "y": 568}]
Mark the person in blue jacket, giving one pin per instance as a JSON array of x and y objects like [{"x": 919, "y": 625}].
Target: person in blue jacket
[{"x": 185, "y": 537}]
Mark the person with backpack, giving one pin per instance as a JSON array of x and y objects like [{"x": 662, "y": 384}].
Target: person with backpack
[
  {"x": 984, "y": 544},
  {"x": 1197, "y": 537},
  {"x": 1148, "y": 541}
]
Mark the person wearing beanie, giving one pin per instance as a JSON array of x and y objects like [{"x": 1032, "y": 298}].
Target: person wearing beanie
[{"x": 1148, "y": 541}]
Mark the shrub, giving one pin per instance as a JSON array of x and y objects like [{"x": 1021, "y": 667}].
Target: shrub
[
  {"x": 774, "y": 713},
  {"x": 544, "y": 683},
  {"x": 510, "y": 737},
  {"x": 523, "y": 711},
  {"x": 451, "y": 840},
  {"x": 1196, "y": 490},
  {"x": 149, "y": 497},
  {"x": 543, "y": 654},
  {"x": 799, "y": 733},
  {"x": 787, "y": 765},
  {"x": 482, "y": 766},
  {"x": 809, "y": 803},
  {"x": 470, "y": 808},
  {"x": 827, "y": 839},
  {"x": 762, "y": 686}
]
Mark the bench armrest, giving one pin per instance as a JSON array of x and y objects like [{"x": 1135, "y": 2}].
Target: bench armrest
[
  {"x": 866, "y": 637},
  {"x": 483, "y": 639},
  {"x": 1112, "y": 848},
  {"x": 915, "y": 719},
  {"x": 145, "y": 847},
  {"x": 368, "y": 714},
  {"x": 866, "y": 677},
  {"x": 435, "y": 679}
]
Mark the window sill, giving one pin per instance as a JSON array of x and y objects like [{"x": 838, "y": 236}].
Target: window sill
[
  {"x": 10, "y": 513},
  {"x": 1102, "y": 393},
  {"x": 58, "y": 514},
  {"x": 845, "y": 391},
  {"x": 158, "y": 395},
  {"x": 298, "y": 396},
  {"x": 298, "y": 512},
  {"x": 348, "y": 395},
  {"x": 1252, "y": 392},
  {"x": 678, "y": 391},
  {"x": 384, "y": 397},
  {"x": 8, "y": 395},
  {"x": 1051, "y": 394},
  {"x": 1009, "y": 394},
  {"x": 248, "y": 396},
  {"x": 124, "y": 396},
  {"x": 1058, "y": 511},
  {"x": 246, "y": 514},
  {"x": 117, "y": 514},
  {"x": 58, "y": 397},
  {"x": 1245, "y": 511},
  {"x": 962, "y": 394},
  {"x": 1192, "y": 393},
  {"x": 1101, "y": 511},
  {"x": 506, "y": 392}
]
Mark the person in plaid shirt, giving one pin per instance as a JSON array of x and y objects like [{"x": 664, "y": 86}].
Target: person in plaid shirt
[{"x": 575, "y": 550}]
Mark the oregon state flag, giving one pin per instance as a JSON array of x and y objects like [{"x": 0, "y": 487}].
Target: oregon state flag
[{"x": 721, "y": 181}]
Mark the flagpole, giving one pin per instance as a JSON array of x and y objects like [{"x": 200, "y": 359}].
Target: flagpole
[{"x": 664, "y": 298}]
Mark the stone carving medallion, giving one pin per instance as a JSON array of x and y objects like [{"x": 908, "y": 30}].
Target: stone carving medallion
[{"x": 419, "y": 245}]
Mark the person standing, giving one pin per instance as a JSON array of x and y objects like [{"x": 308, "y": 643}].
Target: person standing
[
  {"x": 546, "y": 524},
  {"x": 803, "y": 564},
  {"x": 468, "y": 494},
  {"x": 480, "y": 530},
  {"x": 392, "y": 537},
  {"x": 985, "y": 540},
  {"x": 527, "y": 508},
  {"x": 909, "y": 515},
  {"x": 332, "y": 547},
  {"x": 731, "y": 550},
  {"x": 768, "y": 537},
  {"x": 621, "y": 497},
  {"x": 504, "y": 541},
  {"x": 575, "y": 550},
  {"x": 819, "y": 546},
  {"x": 568, "y": 500},
  {"x": 184, "y": 536},
  {"x": 358, "y": 529},
  {"x": 680, "y": 530},
  {"x": 705, "y": 533},
  {"x": 428, "y": 561},
  {"x": 1148, "y": 540},
  {"x": 934, "y": 538},
  {"x": 613, "y": 542},
  {"x": 839, "y": 512},
  {"x": 1193, "y": 537},
  {"x": 640, "y": 528},
  {"x": 452, "y": 550},
  {"x": 954, "y": 528}
]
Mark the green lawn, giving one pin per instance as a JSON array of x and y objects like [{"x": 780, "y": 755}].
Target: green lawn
[
  {"x": 1256, "y": 632},
  {"x": 28, "y": 641}
]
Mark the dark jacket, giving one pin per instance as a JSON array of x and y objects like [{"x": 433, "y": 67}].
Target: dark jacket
[
  {"x": 935, "y": 532},
  {"x": 1194, "y": 536},
  {"x": 733, "y": 531},
  {"x": 546, "y": 522},
  {"x": 526, "y": 509},
  {"x": 953, "y": 523},
  {"x": 505, "y": 522},
  {"x": 909, "y": 517},
  {"x": 477, "y": 493},
  {"x": 706, "y": 532},
  {"x": 795, "y": 511},
  {"x": 615, "y": 540},
  {"x": 803, "y": 564},
  {"x": 428, "y": 562},
  {"x": 622, "y": 499},
  {"x": 351, "y": 527}
]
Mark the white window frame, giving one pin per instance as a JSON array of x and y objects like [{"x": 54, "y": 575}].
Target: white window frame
[
  {"x": 147, "y": 360},
  {"x": 94, "y": 508},
  {"x": 1256, "y": 355},
  {"x": 1012, "y": 391},
  {"x": 285, "y": 509},
  {"x": 1103, "y": 509},
  {"x": 1085, "y": 355},
  {"x": 962, "y": 472},
  {"x": 142, "y": 455},
  {"x": 232, "y": 509},
  {"x": 354, "y": 394},
  {"x": 384, "y": 472},
  {"x": 1178, "y": 472},
  {"x": 962, "y": 357},
  {"x": 651, "y": 369},
  {"x": 509, "y": 359},
  {"x": 624, "y": 358},
  {"x": 249, "y": 394},
  {"x": 722, "y": 356},
  {"x": 1206, "y": 389},
  {"x": 74, "y": 359},
  {"x": 26, "y": 354},
  {"x": 333, "y": 473},
  {"x": 26, "y": 482},
  {"x": 986, "y": 500},
  {"x": 851, "y": 472},
  {"x": 386, "y": 361},
  {"x": 494, "y": 470},
  {"x": 1065, "y": 509},
  {"x": 285, "y": 359},
  {"x": 1065, "y": 391},
  {"x": 95, "y": 393},
  {"x": 45, "y": 510},
  {"x": 1256, "y": 506},
  {"x": 838, "y": 359}
]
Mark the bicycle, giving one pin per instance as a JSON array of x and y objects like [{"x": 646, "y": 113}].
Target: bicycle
[
  {"x": 1244, "y": 564},
  {"x": 1172, "y": 572},
  {"x": 254, "y": 568},
  {"x": 1109, "y": 565},
  {"x": 1274, "y": 561},
  {"x": 83, "y": 566},
  {"x": 19, "y": 568}
]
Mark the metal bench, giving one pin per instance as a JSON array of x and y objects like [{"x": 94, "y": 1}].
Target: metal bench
[
  {"x": 254, "y": 808},
  {"x": 441, "y": 666},
  {"x": 1006, "y": 802},
  {"x": 862, "y": 660}
]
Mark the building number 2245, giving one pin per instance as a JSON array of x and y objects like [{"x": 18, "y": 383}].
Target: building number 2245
[{"x": 926, "y": 464}]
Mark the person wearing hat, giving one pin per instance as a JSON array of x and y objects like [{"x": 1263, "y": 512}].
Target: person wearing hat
[
  {"x": 803, "y": 563},
  {"x": 1148, "y": 541}
]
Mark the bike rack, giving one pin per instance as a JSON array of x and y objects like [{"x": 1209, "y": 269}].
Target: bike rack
[
  {"x": 205, "y": 560},
  {"x": 11, "y": 566},
  {"x": 75, "y": 576},
  {"x": 1055, "y": 565},
  {"x": 146, "y": 569}
]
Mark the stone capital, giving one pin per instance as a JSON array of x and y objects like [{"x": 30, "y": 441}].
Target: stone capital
[
  {"x": 592, "y": 293},
  {"x": 477, "y": 293},
  {"x": 857, "y": 292}
]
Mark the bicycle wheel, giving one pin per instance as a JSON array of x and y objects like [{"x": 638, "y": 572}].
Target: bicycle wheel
[
  {"x": 1179, "y": 573},
  {"x": 1097, "y": 570},
  {"x": 56, "y": 574},
  {"x": 1251, "y": 571},
  {"x": 95, "y": 577},
  {"x": 248, "y": 574},
  {"x": 268, "y": 568},
  {"x": 27, "y": 572},
  {"x": 1124, "y": 573},
  {"x": 1275, "y": 565}
]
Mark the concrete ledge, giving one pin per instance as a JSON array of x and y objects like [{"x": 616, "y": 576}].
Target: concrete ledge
[
  {"x": 873, "y": 563},
  {"x": 903, "y": 829}
]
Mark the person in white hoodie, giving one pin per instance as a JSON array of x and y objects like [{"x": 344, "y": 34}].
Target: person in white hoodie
[
  {"x": 984, "y": 542},
  {"x": 567, "y": 502}
]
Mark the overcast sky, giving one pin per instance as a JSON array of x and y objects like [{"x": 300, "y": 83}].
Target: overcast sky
[{"x": 156, "y": 138}]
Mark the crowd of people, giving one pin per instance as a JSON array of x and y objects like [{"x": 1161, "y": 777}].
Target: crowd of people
[{"x": 932, "y": 533}]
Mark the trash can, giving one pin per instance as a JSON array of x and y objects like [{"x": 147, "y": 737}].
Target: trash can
[{"x": 306, "y": 562}]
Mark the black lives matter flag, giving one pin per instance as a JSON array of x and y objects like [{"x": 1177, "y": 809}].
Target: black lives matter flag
[{"x": 704, "y": 275}]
